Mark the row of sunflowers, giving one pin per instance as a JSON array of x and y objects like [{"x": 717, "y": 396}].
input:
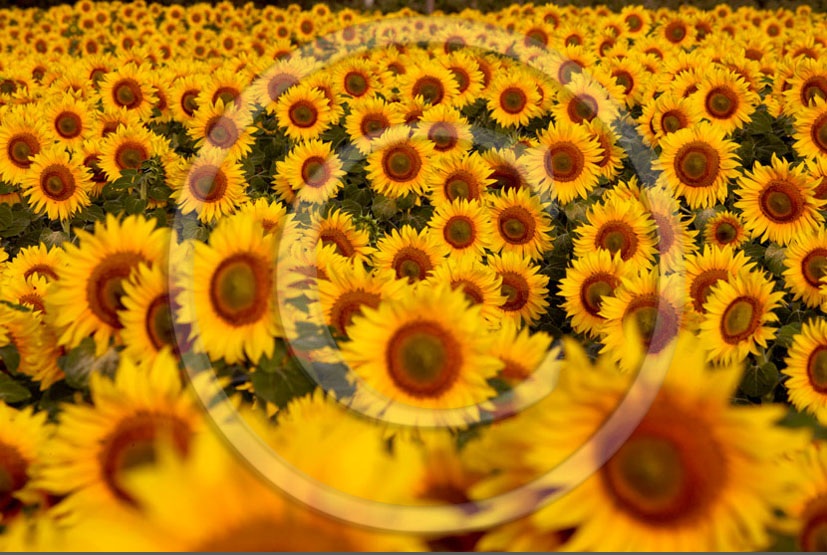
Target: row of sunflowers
[{"x": 536, "y": 279}]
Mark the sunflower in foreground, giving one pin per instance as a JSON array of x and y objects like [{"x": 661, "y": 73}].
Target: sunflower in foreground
[
  {"x": 400, "y": 164},
  {"x": 805, "y": 506},
  {"x": 23, "y": 434},
  {"x": 806, "y": 266},
  {"x": 687, "y": 477},
  {"x": 463, "y": 227},
  {"x": 426, "y": 349},
  {"x": 811, "y": 130}
]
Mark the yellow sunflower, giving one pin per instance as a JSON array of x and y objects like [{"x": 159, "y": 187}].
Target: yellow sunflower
[
  {"x": 480, "y": 283},
  {"x": 183, "y": 97},
  {"x": 355, "y": 78},
  {"x": 425, "y": 349},
  {"x": 57, "y": 185},
  {"x": 313, "y": 170},
  {"x": 466, "y": 71},
  {"x": 400, "y": 164},
  {"x": 446, "y": 129},
  {"x": 585, "y": 99},
  {"x": 520, "y": 351},
  {"x": 565, "y": 162},
  {"x": 807, "y": 368},
  {"x": 212, "y": 186},
  {"x": 521, "y": 224},
  {"x": 778, "y": 202},
  {"x": 618, "y": 226},
  {"x": 505, "y": 169},
  {"x": 128, "y": 87},
  {"x": 810, "y": 130},
  {"x": 523, "y": 287},
  {"x": 806, "y": 262},
  {"x": 147, "y": 313},
  {"x": 589, "y": 280},
  {"x": 128, "y": 148},
  {"x": 726, "y": 229},
  {"x": 725, "y": 99},
  {"x": 303, "y": 111},
  {"x": 430, "y": 80},
  {"x": 228, "y": 292},
  {"x": 21, "y": 137},
  {"x": 86, "y": 298},
  {"x": 697, "y": 163},
  {"x": 611, "y": 157},
  {"x": 704, "y": 269},
  {"x": 70, "y": 119},
  {"x": 455, "y": 177},
  {"x": 411, "y": 254},
  {"x": 738, "y": 317},
  {"x": 23, "y": 438},
  {"x": 369, "y": 117},
  {"x": 513, "y": 99},
  {"x": 227, "y": 129},
  {"x": 337, "y": 228},
  {"x": 804, "y": 506},
  {"x": 37, "y": 260}
]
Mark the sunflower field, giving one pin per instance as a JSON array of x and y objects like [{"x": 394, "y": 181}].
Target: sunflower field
[{"x": 540, "y": 278}]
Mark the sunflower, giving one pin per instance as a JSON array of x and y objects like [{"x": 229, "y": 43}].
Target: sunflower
[
  {"x": 565, "y": 162},
  {"x": 589, "y": 280},
  {"x": 807, "y": 83},
  {"x": 57, "y": 185},
  {"x": 513, "y": 99},
  {"x": 520, "y": 351},
  {"x": 611, "y": 155},
  {"x": 523, "y": 287},
  {"x": 807, "y": 368},
  {"x": 23, "y": 435},
  {"x": 804, "y": 506},
  {"x": 430, "y": 80},
  {"x": 128, "y": 87},
  {"x": 459, "y": 177},
  {"x": 337, "y": 228},
  {"x": 368, "y": 119},
  {"x": 671, "y": 113},
  {"x": 738, "y": 314},
  {"x": 726, "y": 229},
  {"x": 228, "y": 292},
  {"x": 355, "y": 78},
  {"x": 480, "y": 283},
  {"x": 212, "y": 186},
  {"x": 466, "y": 71},
  {"x": 426, "y": 349},
  {"x": 351, "y": 287},
  {"x": 313, "y": 170},
  {"x": 32, "y": 339},
  {"x": 128, "y": 148},
  {"x": 147, "y": 313},
  {"x": 521, "y": 223},
  {"x": 37, "y": 260},
  {"x": 225, "y": 129},
  {"x": 400, "y": 164},
  {"x": 618, "y": 226},
  {"x": 411, "y": 254},
  {"x": 279, "y": 78},
  {"x": 227, "y": 85},
  {"x": 697, "y": 163},
  {"x": 778, "y": 202},
  {"x": 128, "y": 422},
  {"x": 21, "y": 137},
  {"x": 446, "y": 129},
  {"x": 107, "y": 123},
  {"x": 725, "y": 99},
  {"x": 706, "y": 268},
  {"x": 585, "y": 99},
  {"x": 683, "y": 477},
  {"x": 811, "y": 130},
  {"x": 183, "y": 97},
  {"x": 462, "y": 227},
  {"x": 87, "y": 295},
  {"x": 303, "y": 112},
  {"x": 70, "y": 119},
  {"x": 806, "y": 263},
  {"x": 505, "y": 169}
]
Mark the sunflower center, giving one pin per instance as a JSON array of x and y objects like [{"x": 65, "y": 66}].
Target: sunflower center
[
  {"x": 348, "y": 305},
  {"x": 675, "y": 32},
  {"x": 13, "y": 476},
  {"x": 430, "y": 89},
  {"x": 41, "y": 270},
  {"x": 130, "y": 155},
  {"x": 582, "y": 107},
  {"x": 7, "y": 86},
  {"x": 57, "y": 183},
  {"x": 127, "y": 93},
  {"x": 633, "y": 22},
  {"x": 443, "y": 135},
  {"x": 68, "y": 125},
  {"x": 725, "y": 233},
  {"x": 240, "y": 288},
  {"x": 656, "y": 321},
  {"x": 332, "y": 236},
  {"x": 513, "y": 100},
  {"x": 188, "y": 103},
  {"x": 781, "y": 202},
  {"x": 819, "y": 133},
  {"x": 208, "y": 184},
  {"x": 226, "y": 95},
  {"x": 356, "y": 84},
  {"x": 617, "y": 237},
  {"x": 303, "y": 114},
  {"x": 472, "y": 292},
  {"x": 315, "y": 172},
  {"x": 158, "y": 323},
  {"x": 104, "y": 288},
  {"x": 624, "y": 79},
  {"x": 516, "y": 291},
  {"x": 462, "y": 78},
  {"x": 373, "y": 125},
  {"x": 21, "y": 148},
  {"x": 697, "y": 164},
  {"x": 740, "y": 319},
  {"x": 516, "y": 225},
  {"x": 814, "y": 88},
  {"x": 133, "y": 442},
  {"x": 700, "y": 287},
  {"x": 564, "y": 162},
  {"x": 459, "y": 232},
  {"x": 672, "y": 121},
  {"x": 278, "y": 84},
  {"x": 594, "y": 289},
  {"x": 721, "y": 102},
  {"x": 222, "y": 132},
  {"x": 458, "y": 188},
  {"x": 817, "y": 368},
  {"x": 401, "y": 163},
  {"x": 568, "y": 69},
  {"x": 814, "y": 266},
  {"x": 423, "y": 359},
  {"x": 412, "y": 263},
  {"x": 813, "y": 535}
]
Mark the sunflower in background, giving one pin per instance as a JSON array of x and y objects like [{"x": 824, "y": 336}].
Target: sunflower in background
[
  {"x": 463, "y": 227},
  {"x": 521, "y": 224},
  {"x": 524, "y": 288},
  {"x": 212, "y": 186},
  {"x": 590, "y": 280},
  {"x": 726, "y": 229},
  {"x": 807, "y": 368},
  {"x": 400, "y": 164},
  {"x": 303, "y": 112},
  {"x": 21, "y": 137},
  {"x": 56, "y": 184},
  {"x": 513, "y": 99},
  {"x": 313, "y": 170}
]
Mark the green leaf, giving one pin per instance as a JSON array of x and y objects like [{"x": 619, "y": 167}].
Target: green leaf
[
  {"x": 787, "y": 333},
  {"x": 774, "y": 257},
  {"x": 160, "y": 192},
  {"x": 282, "y": 386},
  {"x": 11, "y": 391},
  {"x": 384, "y": 207},
  {"x": 134, "y": 205},
  {"x": 10, "y": 357},
  {"x": 759, "y": 380}
]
